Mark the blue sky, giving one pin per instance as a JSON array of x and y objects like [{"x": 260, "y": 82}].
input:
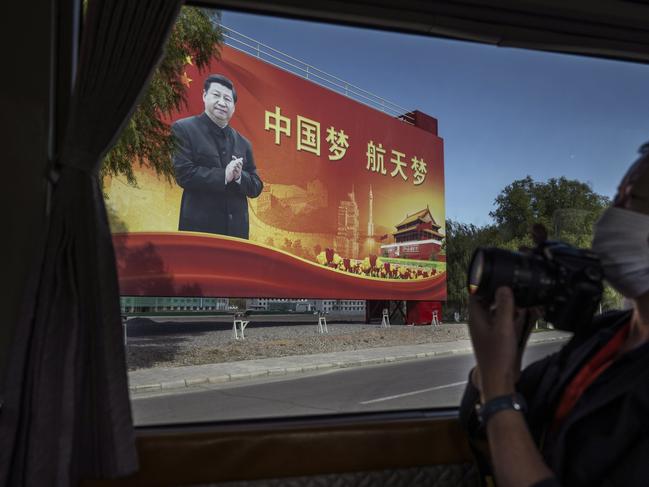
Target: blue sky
[{"x": 503, "y": 113}]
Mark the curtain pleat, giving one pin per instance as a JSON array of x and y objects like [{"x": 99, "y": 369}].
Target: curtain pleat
[{"x": 66, "y": 411}]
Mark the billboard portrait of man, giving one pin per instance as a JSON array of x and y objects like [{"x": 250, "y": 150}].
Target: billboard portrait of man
[{"x": 214, "y": 165}]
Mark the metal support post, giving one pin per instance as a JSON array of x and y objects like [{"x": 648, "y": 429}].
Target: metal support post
[
  {"x": 235, "y": 334},
  {"x": 385, "y": 319},
  {"x": 243, "y": 324},
  {"x": 322, "y": 323},
  {"x": 435, "y": 319},
  {"x": 239, "y": 325}
]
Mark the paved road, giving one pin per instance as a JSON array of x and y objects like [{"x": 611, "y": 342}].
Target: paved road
[{"x": 436, "y": 382}]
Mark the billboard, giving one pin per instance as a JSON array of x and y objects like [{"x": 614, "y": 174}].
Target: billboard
[{"x": 325, "y": 197}]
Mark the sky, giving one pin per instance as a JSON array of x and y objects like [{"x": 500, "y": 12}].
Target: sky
[{"x": 503, "y": 113}]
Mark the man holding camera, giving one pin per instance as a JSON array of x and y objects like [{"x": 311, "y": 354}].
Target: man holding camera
[
  {"x": 578, "y": 417},
  {"x": 214, "y": 165}
]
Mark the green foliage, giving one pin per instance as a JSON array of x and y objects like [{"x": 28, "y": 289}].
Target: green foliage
[
  {"x": 514, "y": 209},
  {"x": 146, "y": 139},
  {"x": 567, "y": 208},
  {"x": 574, "y": 225},
  {"x": 460, "y": 242},
  {"x": 611, "y": 299}
]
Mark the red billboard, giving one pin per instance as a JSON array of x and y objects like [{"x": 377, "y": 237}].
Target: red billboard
[{"x": 331, "y": 198}]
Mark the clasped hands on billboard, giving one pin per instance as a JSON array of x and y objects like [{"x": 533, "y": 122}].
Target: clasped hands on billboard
[{"x": 284, "y": 188}]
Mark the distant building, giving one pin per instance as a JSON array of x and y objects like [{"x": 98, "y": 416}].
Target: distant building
[
  {"x": 417, "y": 237},
  {"x": 337, "y": 306},
  {"x": 341, "y": 306},
  {"x": 283, "y": 304},
  {"x": 346, "y": 241},
  {"x": 152, "y": 304}
]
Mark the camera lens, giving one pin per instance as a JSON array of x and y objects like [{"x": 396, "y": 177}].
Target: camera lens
[
  {"x": 528, "y": 275},
  {"x": 563, "y": 280}
]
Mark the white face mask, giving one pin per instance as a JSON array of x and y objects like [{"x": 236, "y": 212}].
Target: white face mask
[{"x": 621, "y": 241}]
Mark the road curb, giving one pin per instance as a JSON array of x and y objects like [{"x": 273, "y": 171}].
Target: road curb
[{"x": 296, "y": 370}]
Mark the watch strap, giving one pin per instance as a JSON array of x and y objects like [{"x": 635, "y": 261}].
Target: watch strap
[{"x": 514, "y": 402}]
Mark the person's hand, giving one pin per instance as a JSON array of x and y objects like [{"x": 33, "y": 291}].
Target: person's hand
[
  {"x": 233, "y": 169},
  {"x": 229, "y": 172},
  {"x": 238, "y": 167},
  {"x": 498, "y": 333}
]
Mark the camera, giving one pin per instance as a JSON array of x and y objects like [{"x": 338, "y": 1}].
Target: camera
[{"x": 563, "y": 280}]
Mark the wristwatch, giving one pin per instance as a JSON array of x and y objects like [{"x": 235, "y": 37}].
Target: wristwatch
[{"x": 515, "y": 402}]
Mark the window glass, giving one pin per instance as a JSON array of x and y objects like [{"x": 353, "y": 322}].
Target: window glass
[{"x": 366, "y": 167}]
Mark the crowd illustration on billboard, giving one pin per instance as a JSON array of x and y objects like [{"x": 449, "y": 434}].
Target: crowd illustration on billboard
[{"x": 317, "y": 176}]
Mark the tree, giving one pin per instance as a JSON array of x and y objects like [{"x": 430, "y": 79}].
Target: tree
[
  {"x": 558, "y": 204},
  {"x": 611, "y": 299},
  {"x": 514, "y": 212},
  {"x": 147, "y": 139},
  {"x": 460, "y": 243},
  {"x": 574, "y": 226}
]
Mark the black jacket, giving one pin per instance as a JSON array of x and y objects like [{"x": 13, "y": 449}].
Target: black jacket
[
  {"x": 604, "y": 441},
  {"x": 208, "y": 204}
]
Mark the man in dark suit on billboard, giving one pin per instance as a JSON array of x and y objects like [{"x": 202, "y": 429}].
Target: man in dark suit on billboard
[{"x": 214, "y": 165}]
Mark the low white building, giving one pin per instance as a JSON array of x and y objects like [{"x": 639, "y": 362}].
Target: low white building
[
  {"x": 338, "y": 306},
  {"x": 341, "y": 306},
  {"x": 144, "y": 304},
  {"x": 270, "y": 304}
]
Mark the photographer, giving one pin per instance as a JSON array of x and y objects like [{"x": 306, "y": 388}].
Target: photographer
[{"x": 579, "y": 417}]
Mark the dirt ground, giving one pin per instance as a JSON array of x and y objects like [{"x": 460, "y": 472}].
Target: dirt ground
[{"x": 159, "y": 344}]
